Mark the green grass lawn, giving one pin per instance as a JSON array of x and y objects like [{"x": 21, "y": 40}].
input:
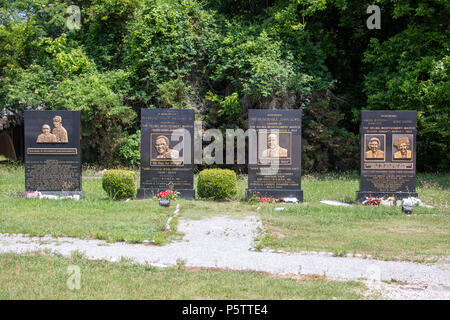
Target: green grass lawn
[
  {"x": 38, "y": 276},
  {"x": 93, "y": 217},
  {"x": 383, "y": 232}
]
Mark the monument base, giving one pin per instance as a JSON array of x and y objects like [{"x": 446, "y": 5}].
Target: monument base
[
  {"x": 276, "y": 193},
  {"x": 59, "y": 194},
  {"x": 147, "y": 193},
  {"x": 362, "y": 195}
]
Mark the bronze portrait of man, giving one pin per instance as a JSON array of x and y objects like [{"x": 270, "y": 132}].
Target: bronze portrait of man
[
  {"x": 46, "y": 136},
  {"x": 374, "y": 149},
  {"x": 162, "y": 146},
  {"x": 402, "y": 145},
  {"x": 274, "y": 150},
  {"x": 59, "y": 131}
]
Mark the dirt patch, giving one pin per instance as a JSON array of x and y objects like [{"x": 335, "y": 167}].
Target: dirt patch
[{"x": 399, "y": 290}]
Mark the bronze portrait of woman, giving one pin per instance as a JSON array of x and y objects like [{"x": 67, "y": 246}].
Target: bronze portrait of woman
[
  {"x": 402, "y": 145},
  {"x": 374, "y": 149}
]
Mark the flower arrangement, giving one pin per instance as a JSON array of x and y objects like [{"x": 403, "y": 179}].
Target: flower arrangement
[
  {"x": 255, "y": 199},
  {"x": 167, "y": 195},
  {"x": 269, "y": 200},
  {"x": 371, "y": 201}
]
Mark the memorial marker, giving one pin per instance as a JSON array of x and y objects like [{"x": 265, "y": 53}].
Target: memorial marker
[
  {"x": 277, "y": 172},
  {"x": 167, "y": 156},
  {"x": 53, "y": 152},
  {"x": 388, "y": 154}
]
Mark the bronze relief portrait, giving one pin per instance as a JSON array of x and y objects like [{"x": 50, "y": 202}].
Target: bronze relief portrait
[
  {"x": 374, "y": 147},
  {"x": 274, "y": 150},
  {"x": 275, "y": 147},
  {"x": 57, "y": 135},
  {"x": 402, "y": 147},
  {"x": 164, "y": 152},
  {"x": 161, "y": 150},
  {"x": 46, "y": 136}
]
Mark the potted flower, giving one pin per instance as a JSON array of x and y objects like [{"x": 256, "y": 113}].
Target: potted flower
[{"x": 164, "y": 197}]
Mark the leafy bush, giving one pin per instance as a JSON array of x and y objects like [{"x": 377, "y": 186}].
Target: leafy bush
[
  {"x": 119, "y": 184},
  {"x": 216, "y": 184},
  {"x": 129, "y": 153},
  {"x": 252, "y": 63},
  {"x": 229, "y": 114},
  {"x": 133, "y": 54},
  {"x": 100, "y": 98},
  {"x": 326, "y": 144},
  {"x": 174, "y": 94},
  {"x": 104, "y": 27},
  {"x": 166, "y": 39},
  {"x": 65, "y": 60},
  {"x": 417, "y": 79}
]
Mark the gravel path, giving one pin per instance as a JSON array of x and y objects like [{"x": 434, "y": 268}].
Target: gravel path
[{"x": 222, "y": 242}]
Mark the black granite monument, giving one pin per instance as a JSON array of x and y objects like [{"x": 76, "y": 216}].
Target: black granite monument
[
  {"x": 167, "y": 152},
  {"x": 388, "y": 154},
  {"x": 53, "y": 152},
  {"x": 277, "y": 171}
]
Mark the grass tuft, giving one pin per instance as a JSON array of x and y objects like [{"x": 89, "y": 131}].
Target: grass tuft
[{"x": 125, "y": 280}]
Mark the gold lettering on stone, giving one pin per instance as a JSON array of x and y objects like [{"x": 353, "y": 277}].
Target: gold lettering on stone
[
  {"x": 48, "y": 175},
  {"x": 53, "y": 151}
]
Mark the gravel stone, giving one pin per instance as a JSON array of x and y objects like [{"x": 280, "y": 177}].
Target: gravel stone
[{"x": 222, "y": 242}]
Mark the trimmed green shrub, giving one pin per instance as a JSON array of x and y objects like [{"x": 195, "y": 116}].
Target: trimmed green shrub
[
  {"x": 216, "y": 184},
  {"x": 119, "y": 184}
]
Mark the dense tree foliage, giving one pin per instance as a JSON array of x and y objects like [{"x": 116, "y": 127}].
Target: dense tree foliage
[
  {"x": 410, "y": 70},
  {"x": 223, "y": 57}
]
